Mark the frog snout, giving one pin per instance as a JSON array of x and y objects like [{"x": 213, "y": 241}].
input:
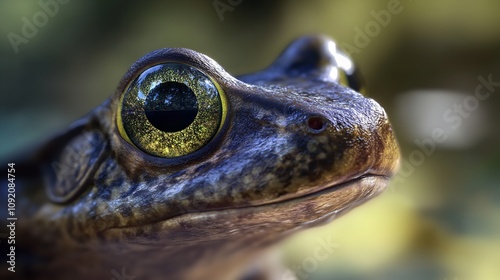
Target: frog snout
[{"x": 360, "y": 141}]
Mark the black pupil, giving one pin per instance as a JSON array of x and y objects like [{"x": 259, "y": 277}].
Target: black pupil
[{"x": 171, "y": 106}]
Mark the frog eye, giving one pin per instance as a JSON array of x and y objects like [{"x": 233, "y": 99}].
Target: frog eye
[
  {"x": 348, "y": 74},
  {"x": 171, "y": 110}
]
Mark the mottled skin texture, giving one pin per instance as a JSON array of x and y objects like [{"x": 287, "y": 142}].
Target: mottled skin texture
[{"x": 92, "y": 202}]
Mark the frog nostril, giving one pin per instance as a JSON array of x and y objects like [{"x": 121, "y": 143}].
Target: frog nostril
[{"x": 316, "y": 123}]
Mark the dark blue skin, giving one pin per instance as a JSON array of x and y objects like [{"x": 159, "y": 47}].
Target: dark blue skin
[{"x": 296, "y": 146}]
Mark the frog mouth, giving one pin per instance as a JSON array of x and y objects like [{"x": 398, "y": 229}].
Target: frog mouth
[
  {"x": 280, "y": 217},
  {"x": 384, "y": 179},
  {"x": 334, "y": 199},
  {"x": 382, "y": 182}
]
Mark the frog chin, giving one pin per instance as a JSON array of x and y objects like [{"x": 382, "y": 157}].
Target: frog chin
[{"x": 267, "y": 222}]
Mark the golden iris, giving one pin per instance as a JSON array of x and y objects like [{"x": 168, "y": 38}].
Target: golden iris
[{"x": 171, "y": 110}]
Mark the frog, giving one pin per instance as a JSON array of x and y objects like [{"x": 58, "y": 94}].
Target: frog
[{"x": 188, "y": 172}]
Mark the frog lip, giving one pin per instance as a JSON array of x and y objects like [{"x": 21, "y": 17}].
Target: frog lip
[
  {"x": 325, "y": 187},
  {"x": 373, "y": 184},
  {"x": 353, "y": 180},
  {"x": 339, "y": 185}
]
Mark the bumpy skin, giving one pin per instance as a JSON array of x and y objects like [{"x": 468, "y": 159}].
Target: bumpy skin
[{"x": 266, "y": 174}]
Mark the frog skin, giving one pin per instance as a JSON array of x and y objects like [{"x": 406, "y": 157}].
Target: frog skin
[{"x": 291, "y": 147}]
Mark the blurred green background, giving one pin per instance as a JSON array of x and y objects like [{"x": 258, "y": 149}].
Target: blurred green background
[{"x": 440, "y": 217}]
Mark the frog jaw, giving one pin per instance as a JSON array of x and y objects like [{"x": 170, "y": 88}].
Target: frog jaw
[{"x": 281, "y": 218}]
